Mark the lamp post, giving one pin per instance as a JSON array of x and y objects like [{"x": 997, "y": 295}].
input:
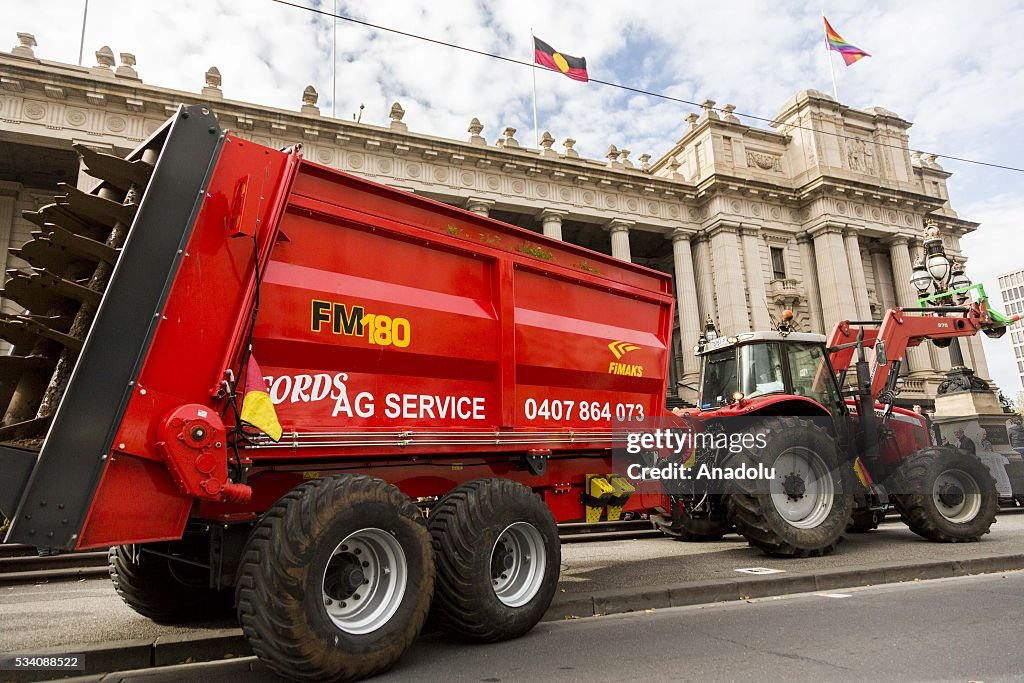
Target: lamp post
[{"x": 935, "y": 273}]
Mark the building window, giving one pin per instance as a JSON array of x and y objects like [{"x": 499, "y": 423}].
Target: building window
[{"x": 778, "y": 263}]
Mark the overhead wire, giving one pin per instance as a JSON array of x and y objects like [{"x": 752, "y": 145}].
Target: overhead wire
[{"x": 639, "y": 91}]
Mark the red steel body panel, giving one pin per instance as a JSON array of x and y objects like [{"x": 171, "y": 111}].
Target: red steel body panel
[
  {"x": 475, "y": 343},
  {"x": 495, "y": 320}
]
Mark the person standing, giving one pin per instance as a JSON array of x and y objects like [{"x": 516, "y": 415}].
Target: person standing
[
  {"x": 964, "y": 442},
  {"x": 927, "y": 420},
  {"x": 1015, "y": 432}
]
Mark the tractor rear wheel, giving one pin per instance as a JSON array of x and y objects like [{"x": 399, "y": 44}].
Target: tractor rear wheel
[
  {"x": 166, "y": 591},
  {"x": 947, "y": 495},
  {"x": 687, "y": 527},
  {"x": 803, "y": 510},
  {"x": 336, "y": 580},
  {"x": 498, "y": 556}
]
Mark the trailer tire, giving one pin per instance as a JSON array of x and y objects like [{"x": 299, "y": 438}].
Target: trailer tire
[
  {"x": 498, "y": 556},
  {"x": 935, "y": 499},
  {"x": 153, "y": 589},
  {"x": 306, "y": 561},
  {"x": 772, "y": 514}
]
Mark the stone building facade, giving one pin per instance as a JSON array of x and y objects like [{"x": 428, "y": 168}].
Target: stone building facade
[{"x": 821, "y": 214}]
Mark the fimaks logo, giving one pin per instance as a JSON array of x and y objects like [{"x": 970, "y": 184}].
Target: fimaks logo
[{"x": 620, "y": 349}]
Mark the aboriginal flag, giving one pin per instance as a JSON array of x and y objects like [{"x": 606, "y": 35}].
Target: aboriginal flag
[{"x": 548, "y": 57}]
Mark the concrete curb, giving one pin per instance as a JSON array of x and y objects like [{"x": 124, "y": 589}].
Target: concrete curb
[
  {"x": 166, "y": 652},
  {"x": 572, "y": 606}
]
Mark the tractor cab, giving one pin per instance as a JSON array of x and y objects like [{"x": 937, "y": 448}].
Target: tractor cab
[{"x": 757, "y": 365}]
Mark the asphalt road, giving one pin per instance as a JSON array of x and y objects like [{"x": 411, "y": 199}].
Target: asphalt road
[
  {"x": 960, "y": 629},
  {"x": 62, "y": 614}
]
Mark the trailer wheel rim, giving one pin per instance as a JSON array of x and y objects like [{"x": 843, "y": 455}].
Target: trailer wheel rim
[
  {"x": 518, "y": 562},
  {"x": 957, "y": 496},
  {"x": 802, "y": 490},
  {"x": 364, "y": 581}
]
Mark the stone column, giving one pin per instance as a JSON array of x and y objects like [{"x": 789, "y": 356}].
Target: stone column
[
  {"x": 704, "y": 279},
  {"x": 759, "y": 316},
  {"x": 883, "y": 279},
  {"x": 728, "y": 276},
  {"x": 833, "y": 276},
  {"x": 906, "y": 297},
  {"x": 619, "y": 229},
  {"x": 857, "y": 279},
  {"x": 479, "y": 205},
  {"x": 551, "y": 219},
  {"x": 810, "y": 273},
  {"x": 686, "y": 304}
]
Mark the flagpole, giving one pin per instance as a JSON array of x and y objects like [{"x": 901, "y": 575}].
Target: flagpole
[
  {"x": 828, "y": 56},
  {"x": 81, "y": 42},
  {"x": 536, "y": 134}
]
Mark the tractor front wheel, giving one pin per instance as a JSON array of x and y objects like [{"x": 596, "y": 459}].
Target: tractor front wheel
[{"x": 947, "y": 495}]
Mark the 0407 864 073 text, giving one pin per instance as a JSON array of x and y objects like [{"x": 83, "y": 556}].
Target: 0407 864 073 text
[{"x": 587, "y": 411}]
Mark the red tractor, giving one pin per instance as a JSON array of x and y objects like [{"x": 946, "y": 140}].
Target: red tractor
[{"x": 835, "y": 471}]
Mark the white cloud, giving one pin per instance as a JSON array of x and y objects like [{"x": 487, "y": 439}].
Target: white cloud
[{"x": 955, "y": 69}]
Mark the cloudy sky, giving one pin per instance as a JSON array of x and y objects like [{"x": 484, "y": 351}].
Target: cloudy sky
[{"x": 956, "y": 69}]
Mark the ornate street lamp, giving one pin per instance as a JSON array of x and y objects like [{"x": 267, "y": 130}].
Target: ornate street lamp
[
  {"x": 935, "y": 259},
  {"x": 921, "y": 278},
  {"x": 935, "y": 271},
  {"x": 958, "y": 280}
]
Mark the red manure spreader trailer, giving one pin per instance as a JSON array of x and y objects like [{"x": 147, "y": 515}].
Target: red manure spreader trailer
[{"x": 415, "y": 356}]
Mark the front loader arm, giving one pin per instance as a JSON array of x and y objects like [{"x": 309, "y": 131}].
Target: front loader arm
[{"x": 901, "y": 329}]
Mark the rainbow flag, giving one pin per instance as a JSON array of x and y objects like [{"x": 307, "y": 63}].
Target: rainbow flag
[{"x": 850, "y": 53}]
